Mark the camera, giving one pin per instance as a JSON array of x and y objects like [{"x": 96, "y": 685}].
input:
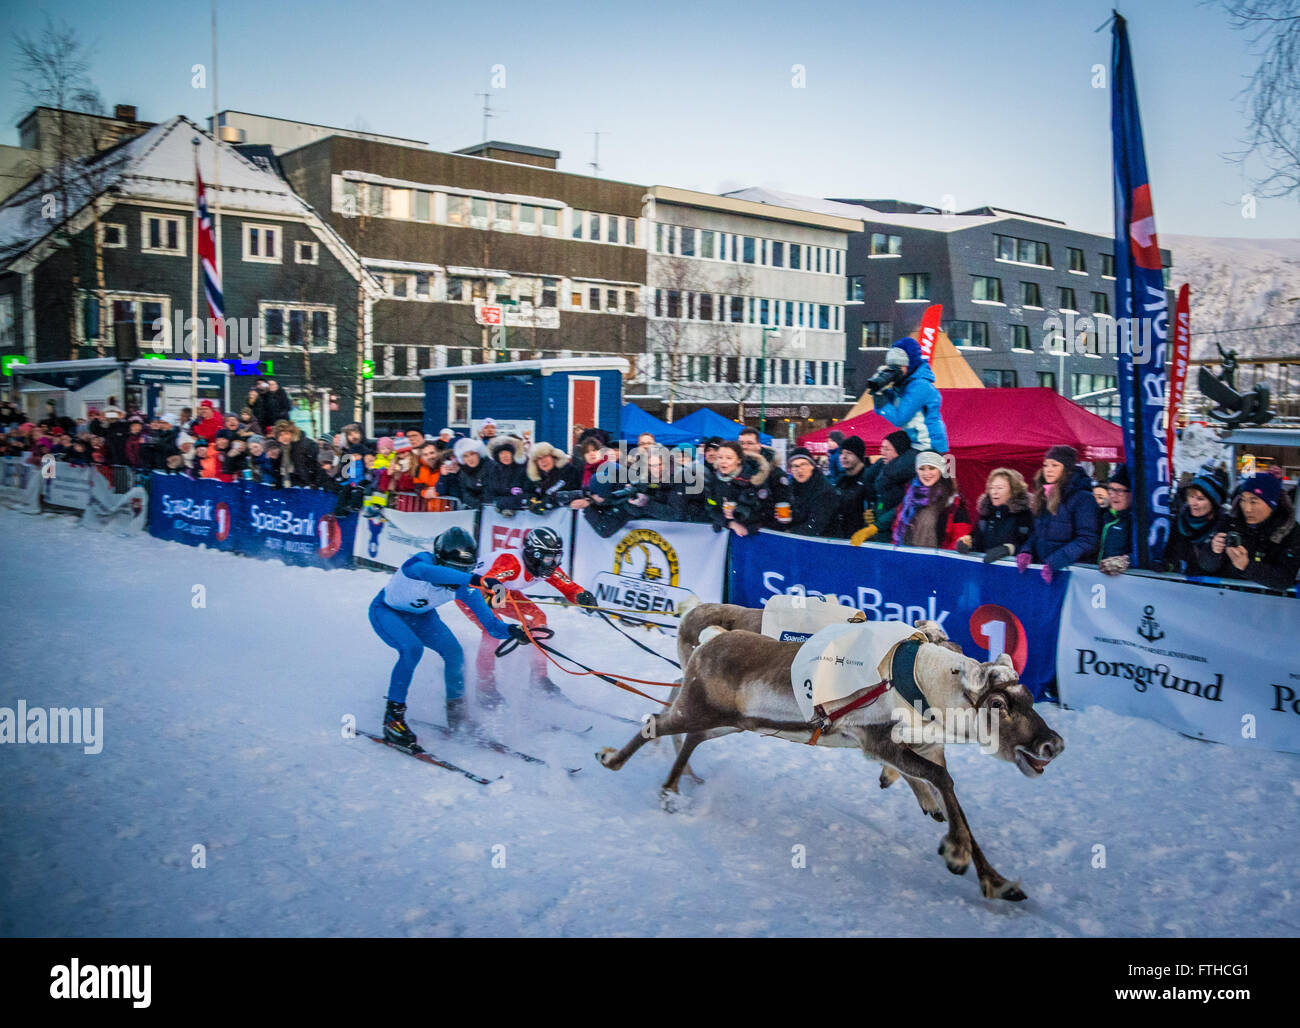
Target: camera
[
  {"x": 1234, "y": 539},
  {"x": 885, "y": 376}
]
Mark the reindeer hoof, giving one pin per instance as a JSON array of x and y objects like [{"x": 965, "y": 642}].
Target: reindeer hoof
[
  {"x": 937, "y": 815},
  {"x": 1000, "y": 888},
  {"x": 957, "y": 858},
  {"x": 888, "y": 776},
  {"x": 670, "y": 801},
  {"x": 606, "y": 757}
]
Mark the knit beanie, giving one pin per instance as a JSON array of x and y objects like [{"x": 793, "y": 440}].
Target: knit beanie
[
  {"x": 1265, "y": 486},
  {"x": 801, "y": 453},
  {"x": 855, "y": 446},
  {"x": 1066, "y": 455},
  {"x": 905, "y": 353},
  {"x": 900, "y": 441},
  {"x": 930, "y": 459},
  {"x": 1211, "y": 485}
]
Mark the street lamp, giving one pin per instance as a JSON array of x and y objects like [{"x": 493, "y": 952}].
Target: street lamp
[{"x": 762, "y": 382}]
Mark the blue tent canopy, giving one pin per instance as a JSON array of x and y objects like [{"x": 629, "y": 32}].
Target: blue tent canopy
[
  {"x": 633, "y": 421},
  {"x": 704, "y": 423}
]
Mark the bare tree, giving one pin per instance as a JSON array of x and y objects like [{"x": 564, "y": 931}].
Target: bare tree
[
  {"x": 54, "y": 71},
  {"x": 1272, "y": 97}
]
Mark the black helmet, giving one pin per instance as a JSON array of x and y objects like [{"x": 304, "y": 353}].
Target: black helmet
[
  {"x": 542, "y": 551},
  {"x": 455, "y": 548}
]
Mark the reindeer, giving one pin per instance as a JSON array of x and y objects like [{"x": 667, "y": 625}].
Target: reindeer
[{"x": 737, "y": 680}]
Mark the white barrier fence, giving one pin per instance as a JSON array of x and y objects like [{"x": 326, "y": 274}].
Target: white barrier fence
[{"x": 20, "y": 485}]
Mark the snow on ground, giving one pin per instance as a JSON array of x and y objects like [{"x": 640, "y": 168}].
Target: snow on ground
[{"x": 222, "y": 728}]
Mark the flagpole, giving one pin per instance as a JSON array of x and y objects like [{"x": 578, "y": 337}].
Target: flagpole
[
  {"x": 194, "y": 291},
  {"x": 216, "y": 179}
]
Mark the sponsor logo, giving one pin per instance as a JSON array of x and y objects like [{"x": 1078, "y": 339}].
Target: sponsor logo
[
  {"x": 645, "y": 576},
  {"x": 997, "y": 630},
  {"x": 223, "y": 521},
  {"x": 1149, "y": 628},
  {"x": 281, "y": 522},
  {"x": 329, "y": 536},
  {"x": 1145, "y": 675},
  {"x": 871, "y": 602}
]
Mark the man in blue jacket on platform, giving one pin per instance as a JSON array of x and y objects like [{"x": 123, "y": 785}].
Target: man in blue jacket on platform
[{"x": 907, "y": 397}]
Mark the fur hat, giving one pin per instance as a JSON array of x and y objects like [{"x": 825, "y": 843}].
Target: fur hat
[
  {"x": 464, "y": 446},
  {"x": 501, "y": 442},
  {"x": 855, "y": 446},
  {"x": 900, "y": 441},
  {"x": 539, "y": 451}
]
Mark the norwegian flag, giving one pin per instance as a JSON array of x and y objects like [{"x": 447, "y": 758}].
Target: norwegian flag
[{"x": 206, "y": 237}]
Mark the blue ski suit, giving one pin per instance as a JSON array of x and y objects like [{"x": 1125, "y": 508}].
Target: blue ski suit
[{"x": 404, "y": 615}]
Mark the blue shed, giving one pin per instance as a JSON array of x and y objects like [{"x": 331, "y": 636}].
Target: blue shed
[{"x": 539, "y": 400}]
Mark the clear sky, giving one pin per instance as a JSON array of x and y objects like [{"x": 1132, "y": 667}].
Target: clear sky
[{"x": 989, "y": 103}]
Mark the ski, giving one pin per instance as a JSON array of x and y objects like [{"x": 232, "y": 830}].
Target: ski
[
  {"x": 487, "y": 742},
  {"x": 424, "y": 756}
]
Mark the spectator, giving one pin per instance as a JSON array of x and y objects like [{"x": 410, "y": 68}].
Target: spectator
[
  {"x": 428, "y": 470},
  {"x": 911, "y": 401},
  {"x": 115, "y": 436},
  {"x": 235, "y": 461},
  {"x": 657, "y": 496},
  {"x": 506, "y": 473},
  {"x": 853, "y": 487},
  {"x": 416, "y": 438},
  {"x": 254, "y": 404},
  {"x": 1101, "y": 495},
  {"x": 1004, "y": 521},
  {"x": 814, "y": 502},
  {"x": 294, "y": 458},
  {"x": 448, "y": 437},
  {"x": 645, "y": 441},
  {"x": 276, "y": 404},
  {"x": 594, "y": 454},
  {"x": 889, "y": 477},
  {"x": 487, "y": 431},
  {"x": 207, "y": 426},
  {"x": 207, "y": 464},
  {"x": 1197, "y": 509},
  {"x": 752, "y": 444},
  {"x": 248, "y": 425},
  {"x": 384, "y": 449},
  {"x": 733, "y": 495},
  {"x": 1265, "y": 539},
  {"x": 1115, "y": 546},
  {"x": 1065, "y": 514},
  {"x": 932, "y": 513},
  {"x": 258, "y": 465},
  {"x": 548, "y": 473},
  {"x": 467, "y": 480}
]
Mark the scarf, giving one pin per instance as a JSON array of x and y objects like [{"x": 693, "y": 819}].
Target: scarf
[
  {"x": 1195, "y": 530},
  {"x": 917, "y": 496}
]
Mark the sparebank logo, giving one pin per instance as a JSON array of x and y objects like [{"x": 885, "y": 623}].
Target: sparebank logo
[
  {"x": 223, "y": 520},
  {"x": 328, "y": 535}
]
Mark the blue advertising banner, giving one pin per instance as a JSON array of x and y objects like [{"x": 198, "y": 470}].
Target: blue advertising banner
[
  {"x": 197, "y": 512},
  {"x": 296, "y": 526},
  {"x": 1142, "y": 314},
  {"x": 987, "y": 609}
]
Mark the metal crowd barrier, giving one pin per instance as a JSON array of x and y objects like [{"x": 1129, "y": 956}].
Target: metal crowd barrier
[{"x": 414, "y": 502}]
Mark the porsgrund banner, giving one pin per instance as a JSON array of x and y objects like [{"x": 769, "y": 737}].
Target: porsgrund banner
[{"x": 1159, "y": 649}]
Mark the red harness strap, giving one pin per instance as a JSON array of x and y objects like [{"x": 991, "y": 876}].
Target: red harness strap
[{"x": 868, "y": 697}]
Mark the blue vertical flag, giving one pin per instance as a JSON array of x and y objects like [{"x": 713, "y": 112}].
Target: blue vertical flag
[{"x": 1142, "y": 315}]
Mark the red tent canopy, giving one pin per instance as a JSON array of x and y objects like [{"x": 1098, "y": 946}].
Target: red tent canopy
[{"x": 996, "y": 428}]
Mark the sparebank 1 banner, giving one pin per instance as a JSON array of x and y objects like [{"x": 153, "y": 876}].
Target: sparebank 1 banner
[
  {"x": 987, "y": 609},
  {"x": 649, "y": 567},
  {"x": 1158, "y": 649},
  {"x": 193, "y": 511},
  {"x": 297, "y": 526}
]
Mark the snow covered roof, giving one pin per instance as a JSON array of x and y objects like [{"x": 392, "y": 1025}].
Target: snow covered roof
[
  {"x": 157, "y": 166},
  {"x": 863, "y": 212}
]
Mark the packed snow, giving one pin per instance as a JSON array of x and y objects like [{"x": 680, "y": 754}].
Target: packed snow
[{"x": 222, "y": 729}]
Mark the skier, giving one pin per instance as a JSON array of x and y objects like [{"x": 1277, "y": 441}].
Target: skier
[
  {"x": 404, "y": 615},
  {"x": 542, "y": 552}
]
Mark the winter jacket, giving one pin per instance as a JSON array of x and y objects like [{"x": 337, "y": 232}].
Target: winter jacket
[
  {"x": 1070, "y": 535},
  {"x": 747, "y": 488},
  {"x": 1008, "y": 525},
  {"x": 209, "y": 426},
  {"x": 853, "y": 494},
  {"x": 298, "y": 464},
  {"x": 540, "y": 487},
  {"x": 890, "y": 485},
  {"x": 1116, "y": 534},
  {"x": 941, "y": 521},
  {"x": 914, "y": 406},
  {"x": 1185, "y": 533},
  {"x": 467, "y": 485},
  {"x": 814, "y": 506},
  {"x": 504, "y": 485},
  {"x": 1273, "y": 547}
]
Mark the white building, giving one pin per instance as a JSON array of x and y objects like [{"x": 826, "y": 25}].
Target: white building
[{"x": 745, "y": 304}]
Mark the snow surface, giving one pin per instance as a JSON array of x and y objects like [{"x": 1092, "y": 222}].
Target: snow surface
[{"x": 222, "y": 727}]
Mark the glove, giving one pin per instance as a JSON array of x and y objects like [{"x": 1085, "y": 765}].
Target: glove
[
  {"x": 1047, "y": 573},
  {"x": 1023, "y": 561},
  {"x": 587, "y": 602},
  {"x": 639, "y": 500},
  {"x": 998, "y": 552},
  {"x": 519, "y": 635},
  {"x": 964, "y": 547},
  {"x": 862, "y": 535},
  {"x": 498, "y": 590},
  {"x": 537, "y": 505}
]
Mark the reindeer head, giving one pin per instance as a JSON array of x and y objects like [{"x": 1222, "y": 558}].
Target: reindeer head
[{"x": 1023, "y": 737}]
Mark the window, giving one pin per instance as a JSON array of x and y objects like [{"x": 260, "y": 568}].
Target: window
[
  {"x": 1022, "y": 251},
  {"x": 1047, "y": 379},
  {"x": 914, "y": 286},
  {"x": 162, "y": 234},
  {"x": 823, "y": 315},
  {"x": 1005, "y": 247},
  {"x": 1101, "y": 304},
  {"x": 883, "y": 245},
  {"x": 262, "y": 243},
  {"x": 674, "y": 306},
  {"x": 422, "y": 284},
  {"x": 1020, "y": 337},
  {"x": 305, "y": 252},
  {"x": 550, "y": 291},
  {"x": 577, "y": 221},
  {"x": 575, "y": 301},
  {"x": 611, "y": 233},
  {"x": 778, "y": 255},
  {"x": 987, "y": 288},
  {"x": 1077, "y": 263},
  {"x": 527, "y": 219},
  {"x": 399, "y": 203},
  {"x": 747, "y": 249},
  {"x": 611, "y": 301},
  {"x": 706, "y": 307},
  {"x": 737, "y": 309},
  {"x": 593, "y": 227},
  {"x": 707, "y": 244},
  {"x": 593, "y": 298},
  {"x": 457, "y": 210},
  {"x": 458, "y": 404},
  {"x": 294, "y": 326},
  {"x": 855, "y": 293},
  {"x": 503, "y": 216},
  {"x": 399, "y": 285},
  {"x": 875, "y": 335},
  {"x": 7, "y": 334},
  {"x": 420, "y": 205},
  {"x": 688, "y": 242},
  {"x": 550, "y": 221},
  {"x": 969, "y": 333},
  {"x": 998, "y": 379},
  {"x": 629, "y": 231},
  {"x": 796, "y": 256},
  {"x": 1108, "y": 265},
  {"x": 1030, "y": 294},
  {"x": 629, "y": 301},
  {"x": 112, "y": 237},
  {"x": 1067, "y": 299},
  {"x": 478, "y": 212}
]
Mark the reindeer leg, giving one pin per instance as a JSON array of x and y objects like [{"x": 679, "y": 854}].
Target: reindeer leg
[
  {"x": 959, "y": 846},
  {"x": 671, "y": 722},
  {"x": 692, "y": 740}
]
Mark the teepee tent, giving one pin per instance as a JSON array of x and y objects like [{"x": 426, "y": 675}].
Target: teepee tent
[{"x": 950, "y": 372}]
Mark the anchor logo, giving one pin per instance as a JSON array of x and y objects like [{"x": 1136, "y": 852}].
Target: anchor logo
[{"x": 1149, "y": 627}]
